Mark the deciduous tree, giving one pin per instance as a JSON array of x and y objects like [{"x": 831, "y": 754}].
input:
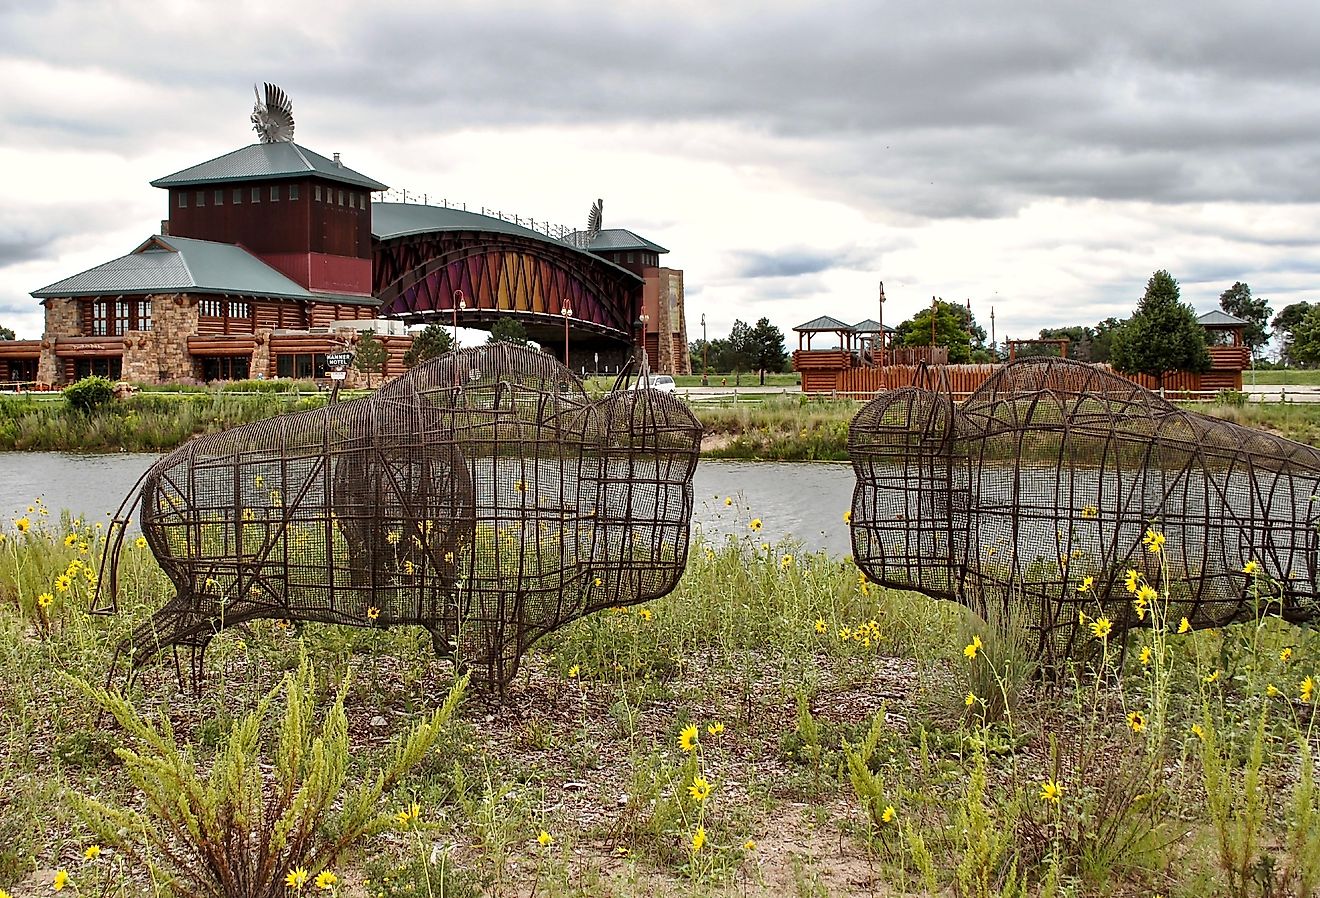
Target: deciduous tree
[
  {"x": 1238, "y": 302},
  {"x": 1285, "y": 325}
]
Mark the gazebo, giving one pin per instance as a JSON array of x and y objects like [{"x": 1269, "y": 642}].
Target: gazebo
[
  {"x": 825, "y": 325},
  {"x": 869, "y": 333}
]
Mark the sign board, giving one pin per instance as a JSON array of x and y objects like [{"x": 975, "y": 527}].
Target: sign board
[
  {"x": 338, "y": 374},
  {"x": 339, "y": 359}
]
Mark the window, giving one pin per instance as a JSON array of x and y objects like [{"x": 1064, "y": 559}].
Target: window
[
  {"x": 219, "y": 198},
  {"x": 239, "y": 309},
  {"x": 100, "y": 318},
  {"x": 183, "y": 199},
  {"x": 256, "y": 194},
  {"x": 301, "y": 365},
  {"x": 144, "y": 314},
  {"x": 238, "y": 196},
  {"x": 114, "y": 318},
  {"x": 226, "y": 367},
  {"x": 211, "y": 308},
  {"x": 318, "y": 193},
  {"x": 111, "y": 367},
  {"x": 121, "y": 317},
  {"x": 201, "y": 198},
  {"x": 275, "y": 193},
  {"x": 293, "y": 191},
  {"x": 341, "y": 197},
  {"x": 352, "y": 201}
]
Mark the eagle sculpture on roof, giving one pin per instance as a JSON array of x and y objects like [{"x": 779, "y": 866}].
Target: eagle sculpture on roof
[{"x": 273, "y": 119}]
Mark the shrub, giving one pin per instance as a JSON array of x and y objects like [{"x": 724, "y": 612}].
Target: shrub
[{"x": 89, "y": 394}]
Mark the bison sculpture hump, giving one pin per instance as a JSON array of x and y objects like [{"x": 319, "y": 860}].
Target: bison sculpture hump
[
  {"x": 1036, "y": 493},
  {"x": 482, "y": 496}
]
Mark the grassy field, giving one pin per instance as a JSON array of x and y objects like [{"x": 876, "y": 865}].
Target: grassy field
[
  {"x": 1285, "y": 376},
  {"x": 777, "y": 726}
]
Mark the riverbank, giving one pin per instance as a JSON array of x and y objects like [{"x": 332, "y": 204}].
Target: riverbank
[{"x": 767, "y": 428}]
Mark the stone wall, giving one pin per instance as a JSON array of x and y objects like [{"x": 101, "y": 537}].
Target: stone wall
[
  {"x": 174, "y": 318},
  {"x": 260, "y": 367},
  {"x": 63, "y": 319}
]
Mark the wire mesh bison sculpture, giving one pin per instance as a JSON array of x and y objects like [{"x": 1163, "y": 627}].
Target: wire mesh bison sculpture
[
  {"x": 1035, "y": 496},
  {"x": 482, "y": 496}
]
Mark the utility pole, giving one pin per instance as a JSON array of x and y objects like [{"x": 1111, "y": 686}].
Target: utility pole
[
  {"x": 994, "y": 344},
  {"x": 932, "y": 328},
  {"x": 970, "y": 338}
]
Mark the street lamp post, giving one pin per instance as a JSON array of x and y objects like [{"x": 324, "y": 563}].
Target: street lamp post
[
  {"x": 882, "y": 332},
  {"x": 453, "y": 307},
  {"x": 641, "y": 337},
  {"x": 705, "y": 357},
  {"x": 567, "y": 312}
]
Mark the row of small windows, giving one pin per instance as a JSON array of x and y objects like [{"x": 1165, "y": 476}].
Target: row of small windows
[
  {"x": 114, "y": 318},
  {"x": 346, "y": 197},
  {"x": 651, "y": 259},
  {"x": 211, "y": 307}
]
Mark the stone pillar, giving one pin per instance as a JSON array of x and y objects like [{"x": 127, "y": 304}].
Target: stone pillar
[
  {"x": 141, "y": 358},
  {"x": 260, "y": 367},
  {"x": 63, "y": 319},
  {"x": 174, "y": 318}
]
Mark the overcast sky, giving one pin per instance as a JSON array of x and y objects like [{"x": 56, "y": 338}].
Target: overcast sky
[{"x": 1041, "y": 158}]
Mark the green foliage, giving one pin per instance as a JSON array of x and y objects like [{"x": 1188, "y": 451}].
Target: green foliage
[
  {"x": 434, "y": 340},
  {"x": 1304, "y": 346},
  {"x": 1237, "y": 804},
  {"x": 1238, "y": 302},
  {"x": 370, "y": 355},
  {"x": 1086, "y": 344},
  {"x": 988, "y": 868},
  {"x": 508, "y": 330},
  {"x": 90, "y": 394},
  {"x": 868, "y": 784},
  {"x": 6, "y": 333},
  {"x": 1285, "y": 325},
  {"x": 1163, "y": 334},
  {"x": 955, "y": 328},
  {"x": 271, "y": 802}
]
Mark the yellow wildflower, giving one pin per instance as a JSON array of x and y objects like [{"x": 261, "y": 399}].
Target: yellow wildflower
[
  {"x": 61, "y": 880},
  {"x": 715, "y": 728},
  {"x": 970, "y": 699},
  {"x": 70, "y": 540},
  {"x": 847, "y": 516},
  {"x": 325, "y": 880},
  {"x": 1211, "y": 677},
  {"x": 519, "y": 485},
  {"x": 595, "y": 582},
  {"x": 297, "y": 878},
  {"x": 755, "y": 525},
  {"x": 92, "y": 852},
  {"x": 728, "y": 500},
  {"x": 393, "y": 537},
  {"x": 1081, "y": 618},
  {"x": 698, "y": 839},
  {"x": 1101, "y": 627},
  {"x": 1090, "y": 511},
  {"x": 1087, "y": 583},
  {"x": 1251, "y": 567},
  {"x": 1050, "y": 790},
  {"x": 1145, "y": 655},
  {"x": 62, "y": 583},
  {"x": 373, "y": 613},
  {"x": 259, "y": 481},
  {"x": 1286, "y": 655},
  {"x": 786, "y": 561},
  {"x": 699, "y": 789},
  {"x": 1308, "y": 688},
  {"x": 820, "y": 625},
  {"x": 749, "y": 845},
  {"x": 544, "y": 839},
  {"x": 1184, "y": 626},
  {"x": 1131, "y": 579},
  {"x": 82, "y": 548},
  {"x": 1153, "y": 541},
  {"x": 140, "y": 542},
  {"x": 687, "y": 739},
  {"x": 574, "y": 671},
  {"x": 1198, "y": 731},
  {"x": 1146, "y": 593},
  {"x": 1271, "y": 690},
  {"x": 970, "y": 650},
  {"x": 1136, "y": 721},
  {"x": 888, "y": 815},
  {"x": 45, "y": 600},
  {"x": 22, "y": 525},
  {"x": 645, "y": 613}
]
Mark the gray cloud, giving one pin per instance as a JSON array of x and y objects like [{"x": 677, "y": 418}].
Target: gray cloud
[{"x": 789, "y": 263}]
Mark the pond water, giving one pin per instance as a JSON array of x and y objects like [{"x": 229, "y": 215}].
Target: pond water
[{"x": 798, "y": 501}]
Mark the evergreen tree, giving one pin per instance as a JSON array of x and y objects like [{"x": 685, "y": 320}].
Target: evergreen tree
[
  {"x": 507, "y": 330},
  {"x": 1163, "y": 334},
  {"x": 1238, "y": 302},
  {"x": 434, "y": 340},
  {"x": 766, "y": 350},
  {"x": 6, "y": 333},
  {"x": 371, "y": 355}
]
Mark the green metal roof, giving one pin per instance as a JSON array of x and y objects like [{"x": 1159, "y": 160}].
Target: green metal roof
[
  {"x": 871, "y": 326},
  {"x": 1217, "y": 318},
  {"x": 185, "y": 265},
  {"x": 614, "y": 240},
  {"x": 824, "y": 323},
  {"x": 264, "y": 162}
]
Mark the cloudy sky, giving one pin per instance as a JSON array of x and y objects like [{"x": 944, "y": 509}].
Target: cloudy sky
[{"x": 1042, "y": 158}]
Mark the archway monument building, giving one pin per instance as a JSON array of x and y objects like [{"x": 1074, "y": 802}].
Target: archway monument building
[{"x": 273, "y": 256}]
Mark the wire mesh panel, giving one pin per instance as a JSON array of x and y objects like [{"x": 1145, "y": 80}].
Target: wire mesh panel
[
  {"x": 1037, "y": 494},
  {"x": 482, "y": 496}
]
